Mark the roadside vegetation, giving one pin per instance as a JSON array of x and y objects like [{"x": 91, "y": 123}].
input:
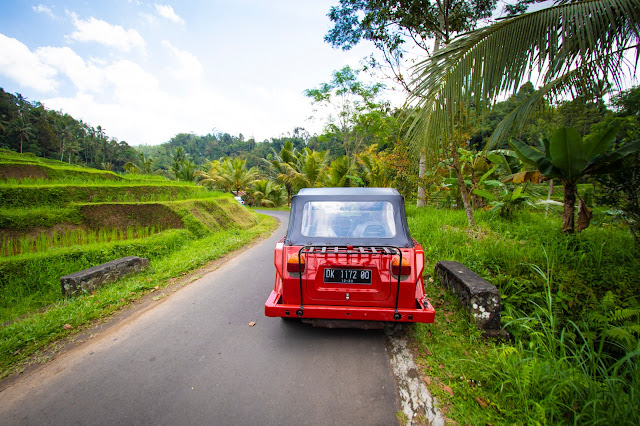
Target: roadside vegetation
[
  {"x": 570, "y": 304},
  {"x": 56, "y": 225}
]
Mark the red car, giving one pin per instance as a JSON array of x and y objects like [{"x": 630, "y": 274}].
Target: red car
[{"x": 348, "y": 256}]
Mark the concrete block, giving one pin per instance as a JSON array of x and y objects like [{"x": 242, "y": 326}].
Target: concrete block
[
  {"x": 481, "y": 297},
  {"x": 96, "y": 276}
]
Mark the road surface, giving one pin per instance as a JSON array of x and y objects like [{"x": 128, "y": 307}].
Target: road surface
[{"x": 194, "y": 359}]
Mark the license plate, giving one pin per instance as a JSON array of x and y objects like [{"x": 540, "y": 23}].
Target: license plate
[{"x": 347, "y": 276}]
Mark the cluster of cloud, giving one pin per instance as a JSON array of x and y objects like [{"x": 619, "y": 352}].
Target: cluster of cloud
[
  {"x": 102, "y": 32},
  {"x": 115, "y": 90},
  {"x": 167, "y": 12},
  {"x": 145, "y": 90}
]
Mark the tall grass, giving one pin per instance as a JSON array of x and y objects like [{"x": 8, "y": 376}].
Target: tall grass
[
  {"x": 569, "y": 302},
  {"x": 31, "y": 281},
  {"x": 76, "y": 237},
  {"x": 171, "y": 253}
]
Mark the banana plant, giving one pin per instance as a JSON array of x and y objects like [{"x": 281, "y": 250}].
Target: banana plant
[
  {"x": 507, "y": 201},
  {"x": 568, "y": 157}
]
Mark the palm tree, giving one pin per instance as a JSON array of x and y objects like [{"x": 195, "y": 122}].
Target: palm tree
[
  {"x": 376, "y": 171},
  {"x": 280, "y": 164},
  {"x": 187, "y": 171},
  {"x": 25, "y": 131},
  {"x": 267, "y": 194},
  {"x": 340, "y": 173},
  {"x": 310, "y": 170},
  {"x": 229, "y": 175},
  {"x": 570, "y": 46}
]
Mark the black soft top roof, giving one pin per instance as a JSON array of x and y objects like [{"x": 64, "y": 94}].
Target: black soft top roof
[
  {"x": 391, "y": 195},
  {"x": 358, "y": 192}
]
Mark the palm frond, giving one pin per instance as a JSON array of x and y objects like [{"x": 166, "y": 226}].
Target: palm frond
[{"x": 557, "y": 44}]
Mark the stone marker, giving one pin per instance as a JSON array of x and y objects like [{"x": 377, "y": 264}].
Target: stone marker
[
  {"x": 94, "y": 277},
  {"x": 482, "y": 297}
]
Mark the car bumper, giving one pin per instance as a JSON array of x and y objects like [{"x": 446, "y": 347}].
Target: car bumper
[{"x": 425, "y": 312}]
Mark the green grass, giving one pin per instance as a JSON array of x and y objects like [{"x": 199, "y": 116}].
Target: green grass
[
  {"x": 278, "y": 209},
  {"x": 39, "y": 217},
  {"x": 585, "y": 265},
  {"x": 38, "y": 331},
  {"x": 570, "y": 304},
  {"x": 21, "y": 196},
  {"x": 45, "y": 241},
  {"x": 32, "y": 281}
]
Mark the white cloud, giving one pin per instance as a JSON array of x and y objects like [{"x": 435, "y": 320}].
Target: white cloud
[
  {"x": 43, "y": 9},
  {"x": 104, "y": 33},
  {"x": 131, "y": 84},
  {"x": 86, "y": 77},
  {"x": 167, "y": 12},
  {"x": 20, "y": 64},
  {"x": 148, "y": 18},
  {"x": 185, "y": 65}
]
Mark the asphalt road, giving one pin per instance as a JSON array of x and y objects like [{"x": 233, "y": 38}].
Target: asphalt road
[{"x": 194, "y": 359}]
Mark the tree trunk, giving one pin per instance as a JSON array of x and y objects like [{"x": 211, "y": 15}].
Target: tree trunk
[
  {"x": 422, "y": 171},
  {"x": 461, "y": 186},
  {"x": 568, "y": 218},
  {"x": 546, "y": 210},
  {"x": 475, "y": 202}
]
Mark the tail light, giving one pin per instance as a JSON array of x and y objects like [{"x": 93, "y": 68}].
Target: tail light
[
  {"x": 400, "y": 267},
  {"x": 295, "y": 265}
]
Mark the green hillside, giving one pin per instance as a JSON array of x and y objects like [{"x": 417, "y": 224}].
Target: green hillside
[{"x": 56, "y": 219}]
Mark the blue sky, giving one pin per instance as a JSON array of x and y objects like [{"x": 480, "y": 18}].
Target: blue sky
[{"x": 146, "y": 71}]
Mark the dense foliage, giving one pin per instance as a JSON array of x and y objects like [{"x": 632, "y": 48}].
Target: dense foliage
[
  {"x": 30, "y": 127},
  {"x": 570, "y": 303}
]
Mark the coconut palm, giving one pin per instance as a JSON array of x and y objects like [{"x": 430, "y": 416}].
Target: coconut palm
[
  {"x": 341, "y": 173},
  {"x": 280, "y": 164},
  {"x": 570, "y": 46},
  {"x": 25, "y": 131},
  {"x": 267, "y": 194},
  {"x": 311, "y": 169},
  {"x": 229, "y": 175},
  {"x": 376, "y": 172}
]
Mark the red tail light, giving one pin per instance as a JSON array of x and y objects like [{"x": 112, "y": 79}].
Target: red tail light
[
  {"x": 295, "y": 265},
  {"x": 403, "y": 269}
]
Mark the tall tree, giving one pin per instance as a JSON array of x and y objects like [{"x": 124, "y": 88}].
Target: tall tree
[
  {"x": 397, "y": 26},
  {"x": 348, "y": 98},
  {"x": 568, "y": 45}
]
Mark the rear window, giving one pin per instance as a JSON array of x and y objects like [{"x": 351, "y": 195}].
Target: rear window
[{"x": 348, "y": 219}]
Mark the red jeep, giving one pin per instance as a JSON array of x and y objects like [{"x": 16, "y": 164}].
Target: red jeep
[{"x": 348, "y": 255}]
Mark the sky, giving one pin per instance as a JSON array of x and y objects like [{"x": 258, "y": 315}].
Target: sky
[{"x": 146, "y": 71}]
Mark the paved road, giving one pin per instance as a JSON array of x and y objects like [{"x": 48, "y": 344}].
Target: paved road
[{"x": 193, "y": 359}]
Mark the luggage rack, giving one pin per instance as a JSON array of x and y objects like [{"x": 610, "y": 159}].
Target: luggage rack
[{"x": 349, "y": 250}]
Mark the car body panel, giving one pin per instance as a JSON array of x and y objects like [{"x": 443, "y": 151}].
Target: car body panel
[{"x": 346, "y": 273}]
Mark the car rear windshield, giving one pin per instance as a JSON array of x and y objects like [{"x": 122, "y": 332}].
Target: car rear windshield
[{"x": 348, "y": 219}]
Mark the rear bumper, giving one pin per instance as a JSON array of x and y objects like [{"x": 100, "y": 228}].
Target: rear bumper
[{"x": 426, "y": 313}]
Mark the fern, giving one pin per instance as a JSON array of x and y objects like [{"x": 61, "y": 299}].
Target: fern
[{"x": 625, "y": 314}]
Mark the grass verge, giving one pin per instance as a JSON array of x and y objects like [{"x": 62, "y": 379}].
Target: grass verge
[
  {"x": 569, "y": 302},
  {"x": 23, "y": 339}
]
